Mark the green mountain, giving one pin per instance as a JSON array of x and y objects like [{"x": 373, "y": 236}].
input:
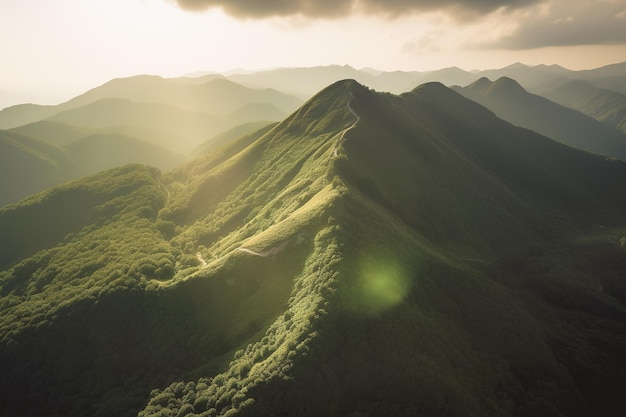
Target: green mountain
[
  {"x": 603, "y": 105},
  {"x": 256, "y": 129},
  {"x": 30, "y": 165},
  {"x": 510, "y": 101},
  {"x": 372, "y": 254},
  {"x": 99, "y": 152},
  {"x": 64, "y": 134},
  {"x": 193, "y": 126}
]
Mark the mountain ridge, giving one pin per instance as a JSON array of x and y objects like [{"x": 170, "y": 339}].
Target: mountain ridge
[
  {"x": 422, "y": 257},
  {"x": 510, "y": 101}
]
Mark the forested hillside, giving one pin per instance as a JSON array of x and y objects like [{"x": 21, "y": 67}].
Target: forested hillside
[{"x": 372, "y": 254}]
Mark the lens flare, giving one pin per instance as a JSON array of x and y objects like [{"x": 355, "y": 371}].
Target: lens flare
[{"x": 380, "y": 284}]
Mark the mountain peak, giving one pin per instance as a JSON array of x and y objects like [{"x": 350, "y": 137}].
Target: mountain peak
[
  {"x": 516, "y": 65},
  {"x": 480, "y": 84},
  {"x": 507, "y": 84}
]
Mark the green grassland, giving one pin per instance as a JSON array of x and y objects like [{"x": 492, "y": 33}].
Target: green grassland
[{"x": 371, "y": 254}]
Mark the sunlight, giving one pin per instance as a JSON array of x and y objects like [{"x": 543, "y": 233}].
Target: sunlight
[{"x": 381, "y": 283}]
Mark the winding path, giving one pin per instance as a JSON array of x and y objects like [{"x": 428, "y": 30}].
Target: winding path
[
  {"x": 273, "y": 251},
  {"x": 353, "y": 125},
  {"x": 277, "y": 249}
]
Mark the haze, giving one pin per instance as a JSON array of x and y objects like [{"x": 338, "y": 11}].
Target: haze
[{"x": 55, "y": 50}]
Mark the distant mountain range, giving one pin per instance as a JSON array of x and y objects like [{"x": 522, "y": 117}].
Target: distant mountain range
[
  {"x": 509, "y": 101},
  {"x": 143, "y": 119},
  {"x": 606, "y": 106},
  {"x": 540, "y": 78},
  {"x": 371, "y": 254}
]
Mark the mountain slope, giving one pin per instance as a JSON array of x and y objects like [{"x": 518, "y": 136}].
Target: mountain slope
[
  {"x": 370, "y": 255},
  {"x": 215, "y": 96},
  {"x": 511, "y": 102},
  {"x": 64, "y": 134},
  {"x": 605, "y": 106},
  {"x": 28, "y": 165},
  {"x": 100, "y": 152}
]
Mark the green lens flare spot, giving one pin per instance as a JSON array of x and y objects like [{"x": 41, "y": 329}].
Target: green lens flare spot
[{"x": 380, "y": 284}]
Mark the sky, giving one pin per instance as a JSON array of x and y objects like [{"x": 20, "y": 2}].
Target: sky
[{"x": 53, "y": 50}]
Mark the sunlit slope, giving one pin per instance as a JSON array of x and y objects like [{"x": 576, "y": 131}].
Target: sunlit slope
[
  {"x": 390, "y": 314},
  {"x": 130, "y": 281},
  {"x": 508, "y": 100},
  {"x": 100, "y": 152},
  {"x": 216, "y": 96},
  {"x": 603, "y": 105},
  {"x": 371, "y": 254},
  {"x": 64, "y": 134},
  {"x": 229, "y": 136}
]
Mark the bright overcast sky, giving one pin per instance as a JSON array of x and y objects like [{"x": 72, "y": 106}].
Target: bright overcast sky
[{"x": 55, "y": 49}]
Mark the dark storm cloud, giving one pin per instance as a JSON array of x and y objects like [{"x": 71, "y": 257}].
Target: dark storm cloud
[
  {"x": 339, "y": 8},
  {"x": 568, "y": 23}
]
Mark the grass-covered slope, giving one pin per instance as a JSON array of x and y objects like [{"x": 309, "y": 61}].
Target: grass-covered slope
[
  {"x": 509, "y": 101},
  {"x": 391, "y": 315},
  {"x": 371, "y": 254}
]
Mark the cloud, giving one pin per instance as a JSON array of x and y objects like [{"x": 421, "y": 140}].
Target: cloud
[
  {"x": 567, "y": 23},
  {"x": 339, "y": 8}
]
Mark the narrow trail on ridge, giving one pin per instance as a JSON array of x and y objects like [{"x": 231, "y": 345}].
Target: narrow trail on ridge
[
  {"x": 273, "y": 251},
  {"x": 281, "y": 247},
  {"x": 353, "y": 125}
]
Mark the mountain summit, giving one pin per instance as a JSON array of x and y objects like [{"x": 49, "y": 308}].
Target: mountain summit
[{"x": 372, "y": 254}]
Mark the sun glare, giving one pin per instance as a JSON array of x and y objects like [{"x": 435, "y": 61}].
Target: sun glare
[{"x": 381, "y": 283}]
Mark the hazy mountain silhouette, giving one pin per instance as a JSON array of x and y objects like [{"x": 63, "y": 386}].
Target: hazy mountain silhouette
[
  {"x": 508, "y": 100},
  {"x": 216, "y": 96},
  {"x": 231, "y": 135},
  {"x": 63, "y": 134},
  {"x": 608, "y": 107},
  {"x": 31, "y": 165},
  {"x": 371, "y": 254}
]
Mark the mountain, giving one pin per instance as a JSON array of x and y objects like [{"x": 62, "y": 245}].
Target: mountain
[
  {"x": 255, "y": 128},
  {"x": 304, "y": 82},
  {"x": 510, "y": 101},
  {"x": 371, "y": 254},
  {"x": 111, "y": 112},
  {"x": 29, "y": 165},
  {"x": 603, "y": 105},
  {"x": 22, "y": 114},
  {"x": 100, "y": 152},
  {"x": 53, "y": 132},
  {"x": 64, "y": 134},
  {"x": 216, "y": 96},
  {"x": 193, "y": 126}
]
